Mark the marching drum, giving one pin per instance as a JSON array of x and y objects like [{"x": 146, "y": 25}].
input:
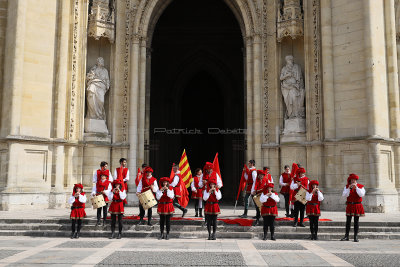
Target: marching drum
[
  {"x": 301, "y": 195},
  {"x": 147, "y": 200},
  {"x": 256, "y": 199},
  {"x": 98, "y": 201}
]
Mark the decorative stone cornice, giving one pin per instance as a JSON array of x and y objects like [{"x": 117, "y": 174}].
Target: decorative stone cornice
[
  {"x": 290, "y": 20},
  {"x": 102, "y": 20}
]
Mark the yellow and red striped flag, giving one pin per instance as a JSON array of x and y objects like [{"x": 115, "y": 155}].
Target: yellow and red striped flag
[{"x": 184, "y": 168}]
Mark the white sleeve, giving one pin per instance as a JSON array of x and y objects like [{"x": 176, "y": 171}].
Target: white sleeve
[
  {"x": 155, "y": 186},
  {"x": 94, "y": 189},
  {"x": 272, "y": 180},
  {"x": 346, "y": 192},
  {"x": 139, "y": 187},
  {"x": 308, "y": 184},
  {"x": 219, "y": 181},
  {"x": 127, "y": 176},
  {"x": 320, "y": 196},
  {"x": 82, "y": 198},
  {"x": 275, "y": 197},
  {"x": 360, "y": 191},
  {"x": 254, "y": 175},
  {"x": 110, "y": 178},
  {"x": 115, "y": 173},
  {"x": 201, "y": 182},
  {"x": 192, "y": 186},
  {"x": 252, "y": 188},
  {"x": 95, "y": 177},
  {"x": 293, "y": 185},
  {"x": 108, "y": 190},
  {"x": 122, "y": 194},
  {"x": 159, "y": 194},
  {"x": 263, "y": 198},
  {"x": 170, "y": 194},
  {"x": 110, "y": 195},
  {"x": 206, "y": 195},
  {"x": 308, "y": 196},
  {"x": 176, "y": 181},
  {"x": 281, "y": 181},
  {"x": 218, "y": 194},
  {"x": 71, "y": 200},
  {"x": 246, "y": 176}
]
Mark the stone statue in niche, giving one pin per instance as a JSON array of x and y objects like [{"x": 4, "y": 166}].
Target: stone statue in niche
[
  {"x": 98, "y": 83},
  {"x": 292, "y": 87}
]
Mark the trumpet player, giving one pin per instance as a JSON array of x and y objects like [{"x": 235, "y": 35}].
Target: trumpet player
[
  {"x": 354, "y": 193},
  {"x": 314, "y": 198},
  {"x": 269, "y": 210},
  {"x": 165, "y": 196},
  {"x": 301, "y": 181},
  {"x": 212, "y": 195},
  {"x": 78, "y": 200},
  {"x": 116, "y": 196}
]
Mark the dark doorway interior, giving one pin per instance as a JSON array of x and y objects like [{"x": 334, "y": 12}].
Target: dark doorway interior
[{"x": 197, "y": 85}]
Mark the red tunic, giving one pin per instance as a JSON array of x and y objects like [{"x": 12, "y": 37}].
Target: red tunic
[
  {"x": 165, "y": 205},
  {"x": 313, "y": 206},
  {"x": 78, "y": 209},
  {"x": 269, "y": 207},
  {"x": 100, "y": 172},
  {"x": 286, "y": 179},
  {"x": 199, "y": 193},
  {"x": 124, "y": 173},
  {"x": 354, "y": 205},
  {"x": 250, "y": 180},
  {"x": 147, "y": 183},
  {"x": 102, "y": 186},
  {"x": 212, "y": 206},
  {"x": 177, "y": 188},
  {"x": 259, "y": 184},
  {"x": 117, "y": 206}
]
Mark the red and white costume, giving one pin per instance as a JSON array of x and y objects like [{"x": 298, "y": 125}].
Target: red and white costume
[
  {"x": 78, "y": 203},
  {"x": 354, "y": 198},
  {"x": 146, "y": 182},
  {"x": 124, "y": 176},
  {"x": 313, "y": 200},
  {"x": 165, "y": 199},
  {"x": 102, "y": 187},
  {"x": 117, "y": 199},
  {"x": 285, "y": 180},
  {"x": 259, "y": 184},
  {"x": 304, "y": 182},
  {"x": 211, "y": 199},
  {"x": 269, "y": 207},
  {"x": 97, "y": 175},
  {"x": 250, "y": 178},
  {"x": 195, "y": 186},
  {"x": 176, "y": 183},
  {"x": 204, "y": 179}
]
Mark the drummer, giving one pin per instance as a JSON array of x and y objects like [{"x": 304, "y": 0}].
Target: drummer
[
  {"x": 102, "y": 187},
  {"x": 148, "y": 182},
  {"x": 301, "y": 181},
  {"x": 256, "y": 189}
]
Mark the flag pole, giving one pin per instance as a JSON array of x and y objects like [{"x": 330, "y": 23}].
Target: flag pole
[{"x": 234, "y": 210}]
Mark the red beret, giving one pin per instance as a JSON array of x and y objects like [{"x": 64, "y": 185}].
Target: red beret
[
  {"x": 260, "y": 172},
  {"x": 313, "y": 182},
  {"x": 148, "y": 169},
  {"x": 301, "y": 170},
  {"x": 212, "y": 180},
  {"x": 208, "y": 166},
  {"x": 353, "y": 176},
  {"x": 164, "y": 179},
  {"x": 118, "y": 181}
]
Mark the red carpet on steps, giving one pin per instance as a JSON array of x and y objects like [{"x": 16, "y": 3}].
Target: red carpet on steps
[{"x": 238, "y": 221}]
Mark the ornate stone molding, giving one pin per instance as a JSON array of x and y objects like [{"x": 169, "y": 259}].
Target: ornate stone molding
[
  {"x": 290, "y": 20},
  {"x": 397, "y": 19},
  {"x": 102, "y": 20},
  {"x": 265, "y": 73}
]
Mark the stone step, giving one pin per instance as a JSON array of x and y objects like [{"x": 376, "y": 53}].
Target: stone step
[
  {"x": 191, "y": 228},
  {"x": 199, "y": 234}
]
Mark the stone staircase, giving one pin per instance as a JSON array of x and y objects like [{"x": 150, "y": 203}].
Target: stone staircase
[{"x": 328, "y": 230}]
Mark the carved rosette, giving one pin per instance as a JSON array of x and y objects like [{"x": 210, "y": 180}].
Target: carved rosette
[
  {"x": 290, "y": 20},
  {"x": 101, "y": 20}
]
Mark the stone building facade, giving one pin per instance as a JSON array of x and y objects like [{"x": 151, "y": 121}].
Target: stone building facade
[{"x": 347, "y": 52}]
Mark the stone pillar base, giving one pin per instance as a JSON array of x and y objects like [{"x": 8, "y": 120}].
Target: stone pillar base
[
  {"x": 27, "y": 201},
  {"x": 132, "y": 199}
]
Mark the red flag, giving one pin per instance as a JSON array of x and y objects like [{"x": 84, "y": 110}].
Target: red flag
[
  {"x": 138, "y": 177},
  {"x": 295, "y": 167},
  {"x": 242, "y": 183},
  {"x": 216, "y": 167}
]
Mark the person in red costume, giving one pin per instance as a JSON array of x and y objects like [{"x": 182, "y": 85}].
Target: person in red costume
[
  {"x": 197, "y": 193},
  {"x": 165, "y": 196},
  {"x": 102, "y": 171},
  {"x": 284, "y": 181},
  {"x": 148, "y": 182},
  {"x": 258, "y": 187},
  {"x": 211, "y": 196},
  {"x": 176, "y": 182},
  {"x": 269, "y": 210},
  {"x": 250, "y": 178},
  {"x": 123, "y": 174},
  {"x": 300, "y": 181},
  {"x": 354, "y": 193},
  {"x": 314, "y": 197},
  {"x": 117, "y": 196},
  {"x": 102, "y": 187},
  {"x": 77, "y": 200}
]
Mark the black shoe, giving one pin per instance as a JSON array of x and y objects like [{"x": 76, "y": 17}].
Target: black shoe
[
  {"x": 256, "y": 222},
  {"x": 112, "y": 235},
  {"x": 104, "y": 222},
  {"x": 287, "y": 215},
  {"x": 302, "y": 225},
  {"x": 345, "y": 238},
  {"x": 265, "y": 237},
  {"x": 295, "y": 224},
  {"x": 244, "y": 215},
  {"x": 141, "y": 222},
  {"x": 76, "y": 235},
  {"x": 213, "y": 237},
  {"x": 119, "y": 236},
  {"x": 254, "y": 217},
  {"x": 72, "y": 235},
  {"x": 161, "y": 236},
  {"x": 196, "y": 215},
  {"x": 166, "y": 237},
  {"x": 311, "y": 237},
  {"x": 209, "y": 236},
  {"x": 201, "y": 213},
  {"x": 273, "y": 237},
  {"x": 356, "y": 239},
  {"x": 315, "y": 237},
  {"x": 97, "y": 223},
  {"x": 184, "y": 212},
  {"x": 149, "y": 223}
]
